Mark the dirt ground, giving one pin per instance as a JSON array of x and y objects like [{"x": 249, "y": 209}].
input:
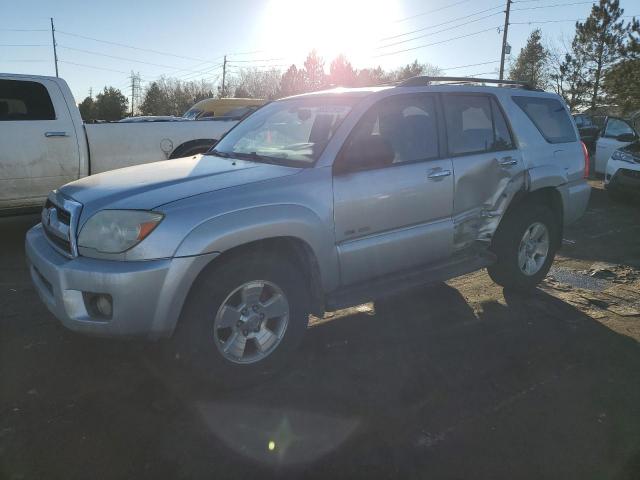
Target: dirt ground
[{"x": 455, "y": 381}]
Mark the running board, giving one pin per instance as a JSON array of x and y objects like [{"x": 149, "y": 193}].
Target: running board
[{"x": 397, "y": 282}]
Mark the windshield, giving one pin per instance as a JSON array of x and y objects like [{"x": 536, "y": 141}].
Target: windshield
[
  {"x": 288, "y": 132},
  {"x": 192, "y": 114}
]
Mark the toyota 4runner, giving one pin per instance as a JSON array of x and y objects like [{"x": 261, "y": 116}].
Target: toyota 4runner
[{"x": 311, "y": 204}]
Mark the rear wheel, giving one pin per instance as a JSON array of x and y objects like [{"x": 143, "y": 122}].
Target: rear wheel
[
  {"x": 244, "y": 319},
  {"x": 525, "y": 244}
]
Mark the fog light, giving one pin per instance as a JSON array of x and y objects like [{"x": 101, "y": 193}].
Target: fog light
[{"x": 103, "y": 305}]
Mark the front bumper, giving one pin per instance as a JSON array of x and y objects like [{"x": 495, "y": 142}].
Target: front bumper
[
  {"x": 622, "y": 176},
  {"x": 147, "y": 296}
]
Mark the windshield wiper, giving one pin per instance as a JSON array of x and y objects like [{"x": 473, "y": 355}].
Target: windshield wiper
[
  {"x": 219, "y": 154},
  {"x": 257, "y": 157}
]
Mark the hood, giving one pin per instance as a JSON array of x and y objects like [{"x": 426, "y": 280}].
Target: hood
[
  {"x": 633, "y": 149},
  {"x": 147, "y": 186}
]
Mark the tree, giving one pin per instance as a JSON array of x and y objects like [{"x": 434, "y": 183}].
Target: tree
[
  {"x": 622, "y": 86},
  {"x": 341, "y": 72},
  {"x": 256, "y": 83},
  {"x": 414, "y": 69},
  {"x": 599, "y": 43},
  {"x": 154, "y": 101},
  {"x": 314, "y": 72},
  {"x": 571, "y": 82},
  {"x": 87, "y": 109},
  {"x": 531, "y": 65},
  {"x": 291, "y": 82},
  {"x": 370, "y": 77},
  {"x": 110, "y": 105},
  {"x": 170, "y": 96}
]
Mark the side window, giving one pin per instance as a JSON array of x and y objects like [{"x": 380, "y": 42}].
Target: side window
[
  {"x": 469, "y": 124},
  {"x": 24, "y": 100},
  {"x": 503, "y": 140},
  {"x": 550, "y": 118},
  {"x": 616, "y": 127},
  {"x": 403, "y": 125},
  {"x": 579, "y": 120}
]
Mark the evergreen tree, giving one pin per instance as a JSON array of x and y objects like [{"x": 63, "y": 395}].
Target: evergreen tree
[
  {"x": 111, "y": 105},
  {"x": 599, "y": 43},
  {"x": 87, "y": 109},
  {"x": 314, "y": 72},
  {"x": 531, "y": 64},
  {"x": 341, "y": 72},
  {"x": 292, "y": 82}
]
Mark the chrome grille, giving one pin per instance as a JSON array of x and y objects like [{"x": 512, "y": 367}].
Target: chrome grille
[{"x": 59, "y": 221}]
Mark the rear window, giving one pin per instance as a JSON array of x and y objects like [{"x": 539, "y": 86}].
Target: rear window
[
  {"x": 23, "y": 100},
  {"x": 550, "y": 118}
]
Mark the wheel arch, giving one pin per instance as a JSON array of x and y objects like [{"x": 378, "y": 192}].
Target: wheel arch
[{"x": 183, "y": 149}]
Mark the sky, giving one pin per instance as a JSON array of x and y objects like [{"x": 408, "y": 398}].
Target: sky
[{"x": 100, "y": 43}]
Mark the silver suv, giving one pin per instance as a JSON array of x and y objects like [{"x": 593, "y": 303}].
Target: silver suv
[{"x": 311, "y": 204}]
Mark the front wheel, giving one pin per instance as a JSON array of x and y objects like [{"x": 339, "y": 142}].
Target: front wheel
[
  {"x": 525, "y": 244},
  {"x": 244, "y": 318}
]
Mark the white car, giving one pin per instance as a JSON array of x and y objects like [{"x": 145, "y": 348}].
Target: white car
[
  {"x": 616, "y": 133},
  {"x": 623, "y": 171}
]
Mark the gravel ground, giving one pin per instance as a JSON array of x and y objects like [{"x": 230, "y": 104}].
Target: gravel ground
[{"x": 454, "y": 381}]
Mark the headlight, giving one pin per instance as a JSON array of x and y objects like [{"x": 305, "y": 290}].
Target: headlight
[
  {"x": 114, "y": 231},
  {"x": 622, "y": 156}
]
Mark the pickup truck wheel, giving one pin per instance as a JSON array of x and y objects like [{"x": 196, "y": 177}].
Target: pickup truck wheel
[
  {"x": 525, "y": 244},
  {"x": 244, "y": 319}
]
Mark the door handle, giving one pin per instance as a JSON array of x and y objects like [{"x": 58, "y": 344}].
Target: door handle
[
  {"x": 55, "y": 134},
  {"x": 508, "y": 162},
  {"x": 439, "y": 174}
]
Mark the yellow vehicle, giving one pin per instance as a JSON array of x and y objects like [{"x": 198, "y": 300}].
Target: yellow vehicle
[{"x": 223, "y": 107}]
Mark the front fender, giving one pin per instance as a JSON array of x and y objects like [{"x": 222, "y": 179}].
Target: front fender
[{"x": 240, "y": 227}]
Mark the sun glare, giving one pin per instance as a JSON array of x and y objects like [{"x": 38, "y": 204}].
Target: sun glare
[{"x": 291, "y": 28}]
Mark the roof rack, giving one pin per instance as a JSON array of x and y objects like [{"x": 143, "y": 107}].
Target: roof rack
[{"x": 423, "y": 80}]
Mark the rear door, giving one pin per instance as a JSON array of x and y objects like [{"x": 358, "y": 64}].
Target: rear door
[
  {"x": 397, "y": 216},
  {"x": 609, "y": 141},
  {"x": 484, "y": 158},
  {"x": 39, "y": 149}
]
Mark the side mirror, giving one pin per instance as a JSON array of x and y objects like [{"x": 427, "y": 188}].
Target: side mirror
[
  {"x": 626, "y": 137},
  {"x": 365, "y": 154}
]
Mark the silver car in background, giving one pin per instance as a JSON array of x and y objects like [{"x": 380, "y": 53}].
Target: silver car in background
[{"x": 311, "y": 204}]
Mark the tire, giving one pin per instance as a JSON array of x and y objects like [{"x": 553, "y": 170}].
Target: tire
[
  {"x": 200, "y": 338},
  {"x": 526, "y": 219}
]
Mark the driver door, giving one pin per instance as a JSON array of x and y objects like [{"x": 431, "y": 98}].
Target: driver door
[{"x": 395, "y": 216}]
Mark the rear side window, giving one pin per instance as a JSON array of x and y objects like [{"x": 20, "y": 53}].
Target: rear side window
[
  {"x": 23, "y": 100},
  {"x": 475, "y": 124},
  {"x": 550, "y": 118}
]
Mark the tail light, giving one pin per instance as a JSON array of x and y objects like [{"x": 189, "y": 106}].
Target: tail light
[{"x": 587, "y": 160}]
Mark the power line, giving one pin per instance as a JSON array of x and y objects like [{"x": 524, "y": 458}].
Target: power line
[
  {"x": 552, "y": 6},
  {"x": 536, "y": 22},
  {"x": 23, "y": 30},
  {"x": 431, "y": 11},
  {"x": 124, "y": 45},
  {"x": 125, "y": 58},
  {"x": 25, "y": 61},
  {"x": 469, "y": 65},
  {"x": 438, "y": 31},
  {"x": 92, "y": 66},
  {"x": 437, "y": 43},
  {"x": 23, "y": 45},
  {"x": 443, "y": 23},
  {"x": 256, "y": 61}
]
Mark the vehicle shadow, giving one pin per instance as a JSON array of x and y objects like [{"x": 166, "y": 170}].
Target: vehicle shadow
[
  {"x": 607, "y": 232},
  {"x": 517, "y": 387}
]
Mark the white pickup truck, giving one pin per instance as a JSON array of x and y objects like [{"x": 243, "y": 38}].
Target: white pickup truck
[{"x": 45, "y": 144}]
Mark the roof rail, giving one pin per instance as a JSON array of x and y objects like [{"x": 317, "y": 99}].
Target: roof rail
[{"x": 423, "y": 80}]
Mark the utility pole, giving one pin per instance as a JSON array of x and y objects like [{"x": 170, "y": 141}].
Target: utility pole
[
  {"x": 135, "y": 89},
  {"x": 224, "y": 74},
  {"x": 91, "y": 93},
  {"x": 55, "y": 52},
  {"x": 504, "y": 39}
]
